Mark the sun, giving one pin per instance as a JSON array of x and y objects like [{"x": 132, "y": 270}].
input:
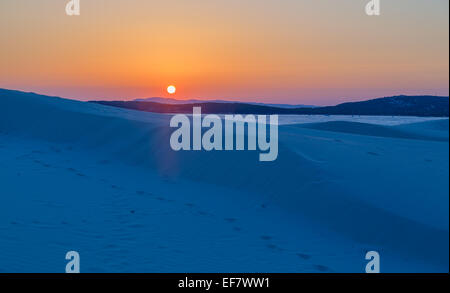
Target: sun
[{"x": 171, "y": 89}]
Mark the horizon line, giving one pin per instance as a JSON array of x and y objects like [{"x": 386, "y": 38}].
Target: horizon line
[{"x": 218, "y": 100}]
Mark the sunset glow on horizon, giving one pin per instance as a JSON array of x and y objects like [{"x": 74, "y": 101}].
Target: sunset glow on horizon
[
  {"x": 171, "y": 89},
  {"x": 288, "y": 51}
]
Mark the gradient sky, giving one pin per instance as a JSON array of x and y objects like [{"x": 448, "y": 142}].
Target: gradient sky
[{"x": 282, "y": 51}]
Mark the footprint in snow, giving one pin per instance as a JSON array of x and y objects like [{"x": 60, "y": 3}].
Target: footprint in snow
[
  {"x": 265, "y": 237},
  {"x": 274, "y": 247},
  {"x": 322, "y": 268},
  {"x": 304, "y": 256}
]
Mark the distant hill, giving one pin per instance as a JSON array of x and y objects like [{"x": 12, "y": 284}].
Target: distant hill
[
  {"x": 425, "y": 106},
  {"x": 422, "y": 106},
  {"x": 196, "y": 101},
  {"x": 397, "y": 106}
]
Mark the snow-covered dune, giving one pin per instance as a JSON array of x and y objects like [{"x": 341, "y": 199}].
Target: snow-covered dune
[{"x": 104, "y": 181}]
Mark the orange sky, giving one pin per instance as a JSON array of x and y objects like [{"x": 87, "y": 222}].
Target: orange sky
[{"x": 286, "y": 51}]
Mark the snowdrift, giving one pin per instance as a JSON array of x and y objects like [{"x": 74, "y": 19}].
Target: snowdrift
[{"x": 104, "y": 181}]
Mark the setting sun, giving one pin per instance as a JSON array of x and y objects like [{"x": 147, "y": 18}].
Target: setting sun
[{"x": 171, "y": 89}]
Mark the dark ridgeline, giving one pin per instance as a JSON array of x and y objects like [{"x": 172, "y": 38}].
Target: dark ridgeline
[{"x": 425, "y": 106}]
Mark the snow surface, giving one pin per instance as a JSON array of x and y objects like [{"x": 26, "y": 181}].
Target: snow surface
[{"x": 104, "y": 181}]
